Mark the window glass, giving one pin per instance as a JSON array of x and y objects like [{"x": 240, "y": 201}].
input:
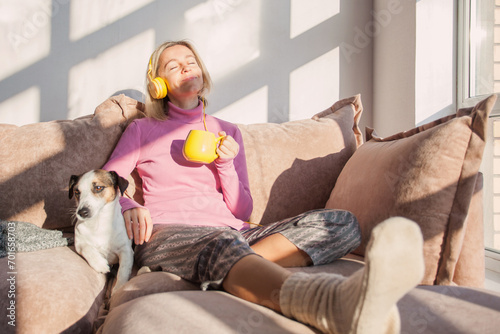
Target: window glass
[
  {"x": 481, "y": 77},
  {"x": 484, "y": 56},
  {"x": 492, "y": 189}
]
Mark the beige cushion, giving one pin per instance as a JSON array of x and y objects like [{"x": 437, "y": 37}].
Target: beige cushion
[
  {"x": 158, "y": 282},
  {"x": 427, "y": 174},
  {"x": 150, "y": 283},
  {"x": 293, "y": 166},
  {"x": 56, "y": 290},
  {"x": 449, "y": 310},
  {"x": 430, "y": 310},
  {"x": 197, "y": 312},
  {"x": 39, "y": 159}
]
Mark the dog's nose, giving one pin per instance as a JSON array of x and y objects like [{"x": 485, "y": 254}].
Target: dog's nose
[{"x": 84, "y": 212}]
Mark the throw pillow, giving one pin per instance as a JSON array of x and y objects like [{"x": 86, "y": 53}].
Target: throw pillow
[{"x": 427, "y": 174}]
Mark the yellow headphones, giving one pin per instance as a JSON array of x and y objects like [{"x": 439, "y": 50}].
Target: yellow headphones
[{"x": 157, "y": 87}]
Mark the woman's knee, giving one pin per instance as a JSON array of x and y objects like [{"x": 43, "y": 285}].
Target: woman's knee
[
  {"x": 347, "y": 225},
  {"x": 330, "y": 218},
  {"x": 219, "y": 255},
  {"x": 341, "y": 228}
]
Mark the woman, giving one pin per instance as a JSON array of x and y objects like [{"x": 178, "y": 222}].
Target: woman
[{"x": 193, "y": 221}]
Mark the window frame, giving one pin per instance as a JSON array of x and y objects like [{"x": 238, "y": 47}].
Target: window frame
[{"x": 492, "y": 256}]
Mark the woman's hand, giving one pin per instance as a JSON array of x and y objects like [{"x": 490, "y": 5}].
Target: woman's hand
[
  {"x": 228, "y": 148},
  {"x": 138, "y": 224}
]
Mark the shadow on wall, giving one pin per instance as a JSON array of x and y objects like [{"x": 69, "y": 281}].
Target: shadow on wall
[{"x": 67, "y": 57}]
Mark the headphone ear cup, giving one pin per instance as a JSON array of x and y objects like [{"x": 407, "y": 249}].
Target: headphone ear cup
[{"x": 158, "y": 88}]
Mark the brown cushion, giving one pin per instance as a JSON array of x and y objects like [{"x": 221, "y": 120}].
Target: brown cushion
[
  {"x": 39, "y": 159},
  {"x": 427, "y": 174},
  {"x": 293, "y": 166}
]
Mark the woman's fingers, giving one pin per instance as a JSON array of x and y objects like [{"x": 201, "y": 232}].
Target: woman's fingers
[
  {"x": 149, "y": 226},
  {"x": 128, "y": 224},
  {"x": 228, "y": 148},
  {"x": 144, "y": 225},
  {"x": 138, "y": 224}
]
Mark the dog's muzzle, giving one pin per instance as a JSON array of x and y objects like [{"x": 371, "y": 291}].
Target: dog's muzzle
[{"x": 84, "y": 212}]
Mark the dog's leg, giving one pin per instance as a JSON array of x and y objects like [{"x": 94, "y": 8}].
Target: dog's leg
[
  {"x": 95, "y": 260},
  {"x": 126, "y": 261}
]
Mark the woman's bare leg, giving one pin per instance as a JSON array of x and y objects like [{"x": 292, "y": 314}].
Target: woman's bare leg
[
  {"x": 257, "y": 280},
  {"x": 278, "y": 249},
  {"x": 364, "y": 303}
]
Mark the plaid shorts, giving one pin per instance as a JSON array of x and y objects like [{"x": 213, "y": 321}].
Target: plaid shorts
[{"x": 205, "y": 254}]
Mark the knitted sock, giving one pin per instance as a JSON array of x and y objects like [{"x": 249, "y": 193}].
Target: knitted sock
[{"x": 366, "y": 301}]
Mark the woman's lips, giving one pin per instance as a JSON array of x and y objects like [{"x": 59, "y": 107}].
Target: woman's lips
[{"x": 190, "y": 78}]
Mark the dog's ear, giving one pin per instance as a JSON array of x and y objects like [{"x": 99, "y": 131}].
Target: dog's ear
[
  {"x": 72, "y": 182},
  {"x": 119, "y": 182}
]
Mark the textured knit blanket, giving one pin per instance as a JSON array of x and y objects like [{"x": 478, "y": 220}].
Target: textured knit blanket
[{"x": 27, "y": 237}]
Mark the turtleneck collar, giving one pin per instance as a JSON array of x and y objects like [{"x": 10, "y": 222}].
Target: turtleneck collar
[{"x": 185, "y": 116}]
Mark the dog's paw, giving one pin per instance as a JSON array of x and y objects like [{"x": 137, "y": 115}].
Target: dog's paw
[
  {"x": 102, "y": 269},
  {"x": 143, "y": 270},
  {"x": 101, "y": 266}
]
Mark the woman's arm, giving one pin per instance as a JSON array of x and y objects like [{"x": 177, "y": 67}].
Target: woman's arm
[
  {"x": 232, "y": 169},
  {"x": 123, "y": 160},
  {"x": 126, "y": 153}
]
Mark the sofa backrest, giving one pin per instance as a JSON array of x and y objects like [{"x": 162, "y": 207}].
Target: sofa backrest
[
  {"x": 292, "y": 166},
  {"x": 37, "y": 161}
]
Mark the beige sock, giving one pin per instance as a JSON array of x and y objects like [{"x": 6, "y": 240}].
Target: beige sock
[{"x": 366, "y": 301}]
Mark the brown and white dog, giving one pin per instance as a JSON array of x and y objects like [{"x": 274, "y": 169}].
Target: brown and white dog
[{"x": 100, "y": 234}]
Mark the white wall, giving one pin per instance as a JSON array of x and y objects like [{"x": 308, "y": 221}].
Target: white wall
[
  {"x": 394, "y": 67},
  {"x": 271, "y": 61},
  {"x": 414, "y": 64},
  {"x": 435, "y": 82}
]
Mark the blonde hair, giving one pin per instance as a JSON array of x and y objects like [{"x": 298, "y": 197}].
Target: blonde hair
[{"x": 158, "y": 108}]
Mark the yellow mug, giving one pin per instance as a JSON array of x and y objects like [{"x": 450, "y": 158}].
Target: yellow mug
[{"x": 200, "y": 146}]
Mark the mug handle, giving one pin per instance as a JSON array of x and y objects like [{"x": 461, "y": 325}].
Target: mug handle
[{"x": 218, "y": 140}]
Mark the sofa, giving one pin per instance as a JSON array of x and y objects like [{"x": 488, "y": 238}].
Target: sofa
[{"x": 429, "y": 174}]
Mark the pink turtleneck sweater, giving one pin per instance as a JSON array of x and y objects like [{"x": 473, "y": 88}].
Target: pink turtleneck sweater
[{"x": 177, "y": 191}]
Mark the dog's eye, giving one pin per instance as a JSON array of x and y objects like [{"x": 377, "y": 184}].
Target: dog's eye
[
  {"x": 77, "y": 193},
  {"x": 99, "y": 188}
]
